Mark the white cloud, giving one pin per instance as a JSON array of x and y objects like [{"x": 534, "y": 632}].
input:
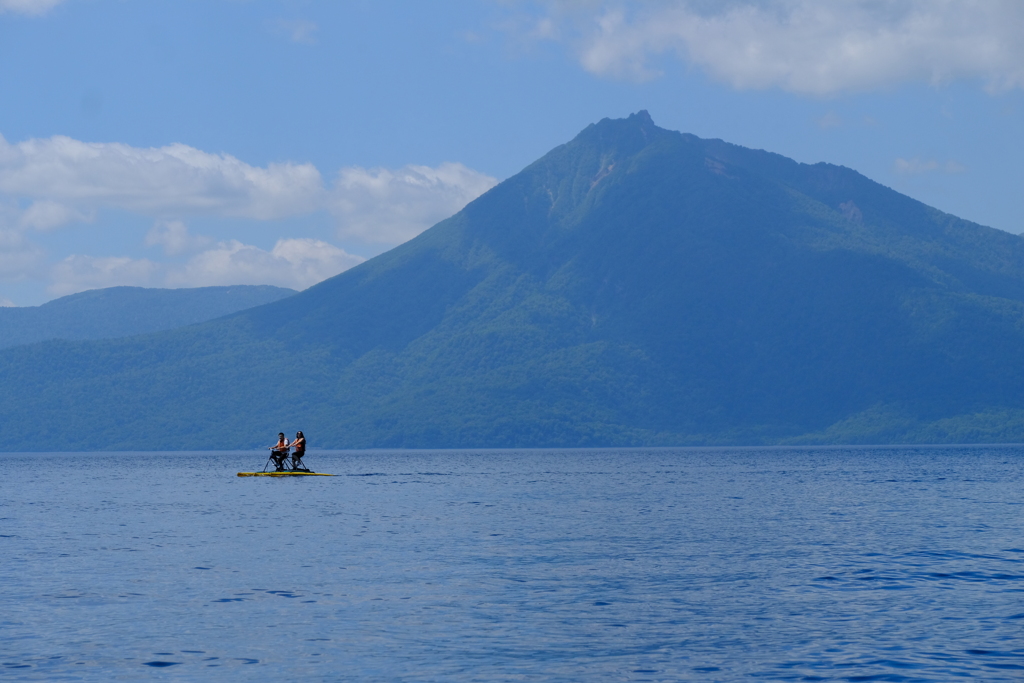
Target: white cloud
[
  {"x": 172, "y": 179},
  {"x": 7, "y": 303},
  {"x": 78, "y": 273},
  {"x": 47, "y": 183},
  {"x": 299, "y": 30},
  {"x": 917, "y": 166},
  {"x": 382, "y": 205},
  {"x": 296, "y": 263},
  {"x": 69, "y": 180},
  {"x": 47, "y": 215},
  {"x": 175, "y": 238},
  {"x": 19, "y": 258},
  {"x": 830, "y": 120},
  {"x": 28, "y": 6},
  {"x": 803, "y": 46}
]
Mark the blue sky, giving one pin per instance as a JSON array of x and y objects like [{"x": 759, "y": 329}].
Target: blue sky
[{"x": 172, "y": 143}]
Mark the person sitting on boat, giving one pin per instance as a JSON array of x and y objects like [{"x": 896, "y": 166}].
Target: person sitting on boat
[
  {"x": 279, "y": 451},
  {"x": 299, "y": 444}
]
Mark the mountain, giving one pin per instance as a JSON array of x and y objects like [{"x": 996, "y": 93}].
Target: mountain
[
  {"x": 127, "y": 311},
  {"x": 635, "y": 286}
]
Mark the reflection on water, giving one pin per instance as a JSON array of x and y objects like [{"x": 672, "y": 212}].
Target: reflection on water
[{"x": 658, "y": 565}]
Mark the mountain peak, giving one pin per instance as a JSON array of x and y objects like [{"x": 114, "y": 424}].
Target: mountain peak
[
  {"x": 628, "y": 135},
  {"x": 633, "y": 286},
  {"x": 641, "y": 118}
]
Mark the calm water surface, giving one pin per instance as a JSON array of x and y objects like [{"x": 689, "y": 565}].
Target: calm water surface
[{"x": 901, "y": 564}]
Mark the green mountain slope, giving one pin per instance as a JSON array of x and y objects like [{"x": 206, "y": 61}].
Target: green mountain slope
[
  {"x": 634, "y": 286},
  {"x": 125, "y": 311}
]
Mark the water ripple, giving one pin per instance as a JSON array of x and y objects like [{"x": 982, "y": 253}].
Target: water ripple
[{"x": 659, "y": 565}]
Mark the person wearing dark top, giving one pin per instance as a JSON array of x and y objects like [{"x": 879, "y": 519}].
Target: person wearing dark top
[
  {"x": 279, "y": 451},
  {"x": 299, "y": 444}
]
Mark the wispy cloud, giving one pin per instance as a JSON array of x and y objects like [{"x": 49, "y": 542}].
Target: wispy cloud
[
  {"x": 19, "y": 258},
  {"x": 392, "y": 206},
  {"x": 830, "y": 120},
  {"x": 296, "y": 263},
  {"x": 28, "y": 6},
  {"x": 78, "y": 273},
  {"x": 298, "y": 30},
  {"x": 68, "y": 180},
  {"x": 175, "y": 238},
  {"x": 917, "y": 166},
  {"x": 803, "y": 46},
  {"x": 172, "y": 179},
  {"x": 46, "y": 215},
  {"x": 52, "y": 182}
]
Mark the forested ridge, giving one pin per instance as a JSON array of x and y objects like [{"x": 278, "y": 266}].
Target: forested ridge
[{"x": 635, "y": 286}]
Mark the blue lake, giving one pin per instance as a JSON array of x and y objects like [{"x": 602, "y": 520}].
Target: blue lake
[{"x": 892, "y": 564}]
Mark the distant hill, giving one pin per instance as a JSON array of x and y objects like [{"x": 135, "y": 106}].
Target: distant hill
[
  {"x": 126, "y": 311},
  {"x": 634, "y": 286}
]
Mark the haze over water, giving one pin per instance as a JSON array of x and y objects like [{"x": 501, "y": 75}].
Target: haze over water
[{"x": 896, "y": 564}]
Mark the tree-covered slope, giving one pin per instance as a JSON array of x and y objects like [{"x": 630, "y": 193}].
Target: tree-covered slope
[
  {"x": 126, "y": 311},
  {"x": 634, "y": 286}
]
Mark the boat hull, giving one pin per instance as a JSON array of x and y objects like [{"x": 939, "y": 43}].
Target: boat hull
[{"x": 284, "y": 474}]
